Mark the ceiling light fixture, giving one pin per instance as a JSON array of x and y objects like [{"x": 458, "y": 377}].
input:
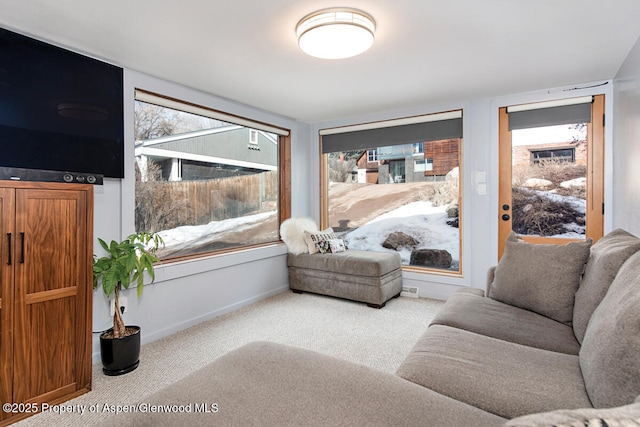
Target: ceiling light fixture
[{"x": 335, "y": 33}]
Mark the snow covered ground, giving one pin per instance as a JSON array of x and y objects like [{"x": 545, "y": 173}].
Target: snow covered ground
[
  {"x": 181, "y": 237},
  {"x": 421, "y": 220}
]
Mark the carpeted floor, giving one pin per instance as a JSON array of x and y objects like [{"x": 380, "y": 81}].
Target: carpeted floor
[{"x": 348, "y": 330}]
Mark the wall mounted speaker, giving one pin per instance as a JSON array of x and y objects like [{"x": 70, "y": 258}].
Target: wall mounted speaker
[{"x": 18, "y": 174}]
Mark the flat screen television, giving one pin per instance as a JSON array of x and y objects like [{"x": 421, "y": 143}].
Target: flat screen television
[{"x": 59, "y": 110}]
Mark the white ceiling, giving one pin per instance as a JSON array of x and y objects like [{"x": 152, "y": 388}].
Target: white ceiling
[{"x": 425, "y": 52}]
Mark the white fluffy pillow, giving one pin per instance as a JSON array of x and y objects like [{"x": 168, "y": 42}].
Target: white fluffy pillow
[{"x": 292, "y": 234}]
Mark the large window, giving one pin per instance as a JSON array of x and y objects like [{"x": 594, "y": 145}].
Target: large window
[
  {"x": 408, "y": 199},
  {"x": 207, "y": 181}
]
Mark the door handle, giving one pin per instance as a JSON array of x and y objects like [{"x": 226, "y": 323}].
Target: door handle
[
  {"x": 9, "y": 249},
  {"x": 505, "y": 217},
  {"x": 22, "y": 250}
]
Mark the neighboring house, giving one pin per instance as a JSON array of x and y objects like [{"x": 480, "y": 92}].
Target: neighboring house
[
  {"x": 423, "y": 161},
  {"x": 368, "y": 165},
  {"x": 572, "y": 152},
  {"x": 441, "y": 157},
  {"x": 219, "y": 152}
]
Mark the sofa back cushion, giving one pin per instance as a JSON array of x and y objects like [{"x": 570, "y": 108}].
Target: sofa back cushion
[
  {"x": 609, "y": 354},
  {"x": 607, "y": 255},
  {"x": 540, "y": 277}
]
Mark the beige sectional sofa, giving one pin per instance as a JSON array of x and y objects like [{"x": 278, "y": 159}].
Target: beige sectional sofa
[{"x": 545, "y": 344}]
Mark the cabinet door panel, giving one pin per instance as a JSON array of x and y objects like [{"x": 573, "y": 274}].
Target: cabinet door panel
[
  {"x": 45, "y": 354},
  {"x": 7, "y": 213},
  {"x": 51, "y": 286}
]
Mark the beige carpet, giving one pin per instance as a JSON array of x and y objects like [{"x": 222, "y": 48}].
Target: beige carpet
[{"x": 348, "y": 330}]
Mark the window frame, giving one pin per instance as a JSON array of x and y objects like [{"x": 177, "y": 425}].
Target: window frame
[
  {"x": 535, "y": 155},
  {"x": 324, "y": 186},
  {"x": 372, "y": 156},
  {"x": 284, "y": 164},
  {"x": 428, "y": 164}
]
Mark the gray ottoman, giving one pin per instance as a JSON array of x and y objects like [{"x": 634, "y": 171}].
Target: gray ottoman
[{"x": 369, "y": 277}]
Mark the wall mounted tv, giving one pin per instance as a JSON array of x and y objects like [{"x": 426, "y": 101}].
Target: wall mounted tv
[{"x": 59, "y": 110}]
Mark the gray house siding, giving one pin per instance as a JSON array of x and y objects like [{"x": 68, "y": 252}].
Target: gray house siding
[{"x": 211, "y": 153}]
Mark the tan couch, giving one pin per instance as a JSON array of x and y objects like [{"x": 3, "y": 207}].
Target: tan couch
[
  {"x": 546, "y": 349},
  {"x": 539, "y": 360}
]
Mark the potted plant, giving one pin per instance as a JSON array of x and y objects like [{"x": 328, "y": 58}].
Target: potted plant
[{"x": 123, "y": 265}]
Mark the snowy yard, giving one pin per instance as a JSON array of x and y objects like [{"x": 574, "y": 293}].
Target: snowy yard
[{"x": 421, "y": 220}]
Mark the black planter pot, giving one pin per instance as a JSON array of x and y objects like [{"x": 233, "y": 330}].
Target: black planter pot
[{"x": 120, "y": 355}]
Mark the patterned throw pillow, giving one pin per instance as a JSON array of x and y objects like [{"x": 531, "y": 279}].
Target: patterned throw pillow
[
  {"x": 337, "y": 245},
  {"x": 331, "y": 246},
  {"x": 324, "y": 246},
  {"x": 313, "y": 239}
]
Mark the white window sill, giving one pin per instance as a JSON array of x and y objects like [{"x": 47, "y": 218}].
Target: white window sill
[{"x": 178, "y": 269}]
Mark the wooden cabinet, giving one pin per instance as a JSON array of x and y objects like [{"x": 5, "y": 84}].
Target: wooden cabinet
[{"x": 46, "y": 234}]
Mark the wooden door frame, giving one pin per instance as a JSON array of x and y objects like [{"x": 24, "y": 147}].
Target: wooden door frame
[{"x": 595, "y": 177}]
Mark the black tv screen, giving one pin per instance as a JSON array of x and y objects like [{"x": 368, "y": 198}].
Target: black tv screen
[{"x": 59, "y": 110}]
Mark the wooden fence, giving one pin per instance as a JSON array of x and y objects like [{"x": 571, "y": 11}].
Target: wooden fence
[{"x": 172, "y": 203}]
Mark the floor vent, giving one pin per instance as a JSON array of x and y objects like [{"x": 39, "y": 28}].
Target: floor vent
[{"x": 410, "y": 291}]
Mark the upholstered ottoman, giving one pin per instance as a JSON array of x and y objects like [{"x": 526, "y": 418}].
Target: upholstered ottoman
[{"x": 369, "y": 277}]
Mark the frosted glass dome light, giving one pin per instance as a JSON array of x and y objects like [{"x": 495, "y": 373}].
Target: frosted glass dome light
[{"x": 335, "y": 33}]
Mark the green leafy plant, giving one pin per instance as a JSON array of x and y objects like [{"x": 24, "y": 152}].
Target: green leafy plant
[{"x": 123, "y": 265}]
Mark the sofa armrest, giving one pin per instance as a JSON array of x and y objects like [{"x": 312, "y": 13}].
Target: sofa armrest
[{"x": 490, "y": 275}]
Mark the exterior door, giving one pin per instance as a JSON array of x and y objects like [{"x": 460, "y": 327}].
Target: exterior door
[
  {"x": 397, "y": 171},
  {"x": 51, "y": 286},
  {"x": 551, "y": 172}
]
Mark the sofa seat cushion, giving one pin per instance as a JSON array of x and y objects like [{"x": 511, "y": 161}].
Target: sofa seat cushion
[
  {"x": 352, "y": 262},
  {"x": 610, "y": 351},
  {"x": 507, "y": 379},
  {"x": 269, "y": 384},
  {"x": 607, "y": 255},
  {"x": 486, "y": 316}
]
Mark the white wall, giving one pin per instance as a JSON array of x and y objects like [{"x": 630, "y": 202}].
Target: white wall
[
  {"x": 626, "y": 154},
  {"x": 187, "y": 293}
]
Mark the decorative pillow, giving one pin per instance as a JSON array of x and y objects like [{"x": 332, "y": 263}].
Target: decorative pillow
[
  {"x": 540, "y": 277},
  {"x": 609, "y": 354},
  {"x": 337, "y": 245},
  {"x": 292, "y": 234},
  {"x": 324, "y": 246},
  {"x": 331, "y": 246},
  {"x": 607, "y": 255},
  {"x": 313, "y": 238}
]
